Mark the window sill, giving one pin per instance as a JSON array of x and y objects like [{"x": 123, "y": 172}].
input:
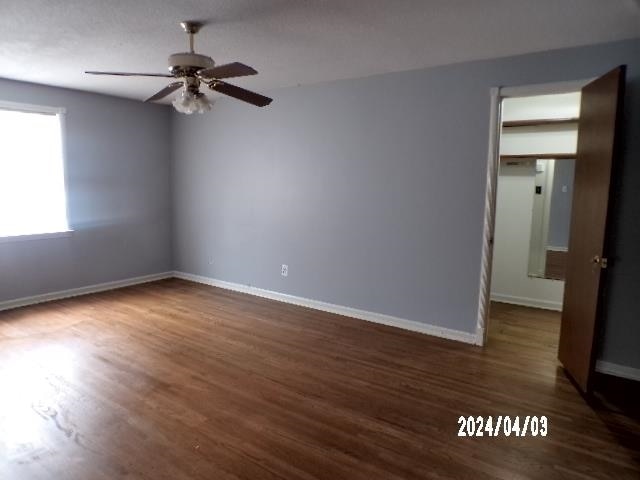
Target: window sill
[{"x": 35, "y": 236}]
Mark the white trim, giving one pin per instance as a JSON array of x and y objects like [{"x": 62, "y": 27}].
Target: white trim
[
  {"x": 31, "y": 108},
  {"x": 493, "y": 156},
  {"x": 552, "y": 248},
  {"x": 74, "y": 292},
  {"x": 618, "y": 370},
  {"x": 527, "y": 302},
  {"x": 62, "y": 120},
  {"x": 35, "y": 236},
  {"x": 481, "y": 336},
  {"x": 545, "y": 88},
  {"x": 337, "y": 309}
]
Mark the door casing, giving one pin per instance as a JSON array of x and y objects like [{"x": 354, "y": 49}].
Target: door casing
[{"x": 497, "y": 94}]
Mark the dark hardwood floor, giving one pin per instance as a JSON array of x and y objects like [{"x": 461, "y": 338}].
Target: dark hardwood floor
[
  {"x": 531, "y": 329},
  {"x": 174, "y": 380}
]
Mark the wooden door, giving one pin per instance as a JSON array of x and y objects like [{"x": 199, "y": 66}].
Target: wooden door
[{"x": 600, "y": 119}]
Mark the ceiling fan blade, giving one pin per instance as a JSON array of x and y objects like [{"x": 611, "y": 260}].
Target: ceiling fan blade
[
  {"x": 127, "y": 74},
  {"x": 235, "y": 69},
  {"x": 172, "y": 87},
  {"x": 241, "y": 94}
]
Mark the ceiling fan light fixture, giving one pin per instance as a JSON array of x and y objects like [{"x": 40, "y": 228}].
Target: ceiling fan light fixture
[
  {"x": 190, "y": 69},
  {"x": 189, "y": 102}
]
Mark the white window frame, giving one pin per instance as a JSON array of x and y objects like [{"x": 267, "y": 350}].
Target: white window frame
[{"x": 61, "y": 112}]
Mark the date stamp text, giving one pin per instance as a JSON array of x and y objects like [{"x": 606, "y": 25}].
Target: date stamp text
[{"x": 525, "y": 426}]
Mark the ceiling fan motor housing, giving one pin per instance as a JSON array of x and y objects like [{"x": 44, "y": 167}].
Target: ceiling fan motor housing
[{"x": 188, "y": 63}]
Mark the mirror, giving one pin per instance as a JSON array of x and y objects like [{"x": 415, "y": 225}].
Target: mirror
[{"x": 551, "y": 218}]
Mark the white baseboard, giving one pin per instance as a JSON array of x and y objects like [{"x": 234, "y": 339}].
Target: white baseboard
[
  {"x": 338, "y": 309},
  {"x": 526, "y": 302},
  {"x": 480, "y": 334},
  {"x": 475, "y": 339},
  {"x": 74, "y": 292},
  {"x": 618, "y": 370}
]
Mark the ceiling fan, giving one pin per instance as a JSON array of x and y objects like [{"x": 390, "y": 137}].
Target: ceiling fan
[{"x": 193, "y": 70}]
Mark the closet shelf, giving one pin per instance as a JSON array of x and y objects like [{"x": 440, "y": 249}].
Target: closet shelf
[
  {"x": 540, "y": 156},
  {"x": 539, "y": 122}
]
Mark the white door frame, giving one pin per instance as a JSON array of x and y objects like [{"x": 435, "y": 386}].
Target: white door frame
[{"x": 493, "y": 163}]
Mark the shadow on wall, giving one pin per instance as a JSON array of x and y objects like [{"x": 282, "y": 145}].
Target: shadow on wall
[{"x": 621, "y": 288}]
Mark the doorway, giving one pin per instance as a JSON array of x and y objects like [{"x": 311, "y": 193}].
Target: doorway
[
  {"x": 537, "y": 149},
  {"x": 545, "y": 142}
]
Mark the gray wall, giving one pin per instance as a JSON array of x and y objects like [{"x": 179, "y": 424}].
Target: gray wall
[
  {"x": 372, "y": 190},
  {"x": 117, "y": 161},
  {"x": 560, "y": 216}
]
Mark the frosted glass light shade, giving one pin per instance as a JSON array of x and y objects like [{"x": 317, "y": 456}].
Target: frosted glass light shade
[{"x": 188, "y": 102}]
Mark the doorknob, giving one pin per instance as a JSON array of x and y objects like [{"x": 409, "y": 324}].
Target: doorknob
[{"x": 598, "y": 260}]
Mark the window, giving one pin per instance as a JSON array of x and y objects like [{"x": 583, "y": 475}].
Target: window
[{"x": 32, "y": 190}]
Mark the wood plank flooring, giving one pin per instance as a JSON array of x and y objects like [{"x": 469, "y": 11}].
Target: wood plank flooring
[{"x": 174, "y": 380}]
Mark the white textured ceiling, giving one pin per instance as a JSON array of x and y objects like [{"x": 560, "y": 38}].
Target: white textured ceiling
[{"x": 290, "y": 42}]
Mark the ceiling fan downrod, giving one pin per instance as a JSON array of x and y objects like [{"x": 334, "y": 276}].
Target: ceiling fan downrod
[{"x": 191, "y": 28}]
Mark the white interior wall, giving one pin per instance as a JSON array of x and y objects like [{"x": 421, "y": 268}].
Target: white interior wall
[
  {"x": 510, "y": 281},
  {"x": 520, "y": 141},
  {"x": 565, "y": 105},
  {"x": 514, "y": 204},
  {"x": 544, "y": 139}
]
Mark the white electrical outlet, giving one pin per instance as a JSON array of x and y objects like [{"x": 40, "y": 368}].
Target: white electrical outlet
[
  {"x": 211, "y": 261},
  {"x": 285, "y": 270}
]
